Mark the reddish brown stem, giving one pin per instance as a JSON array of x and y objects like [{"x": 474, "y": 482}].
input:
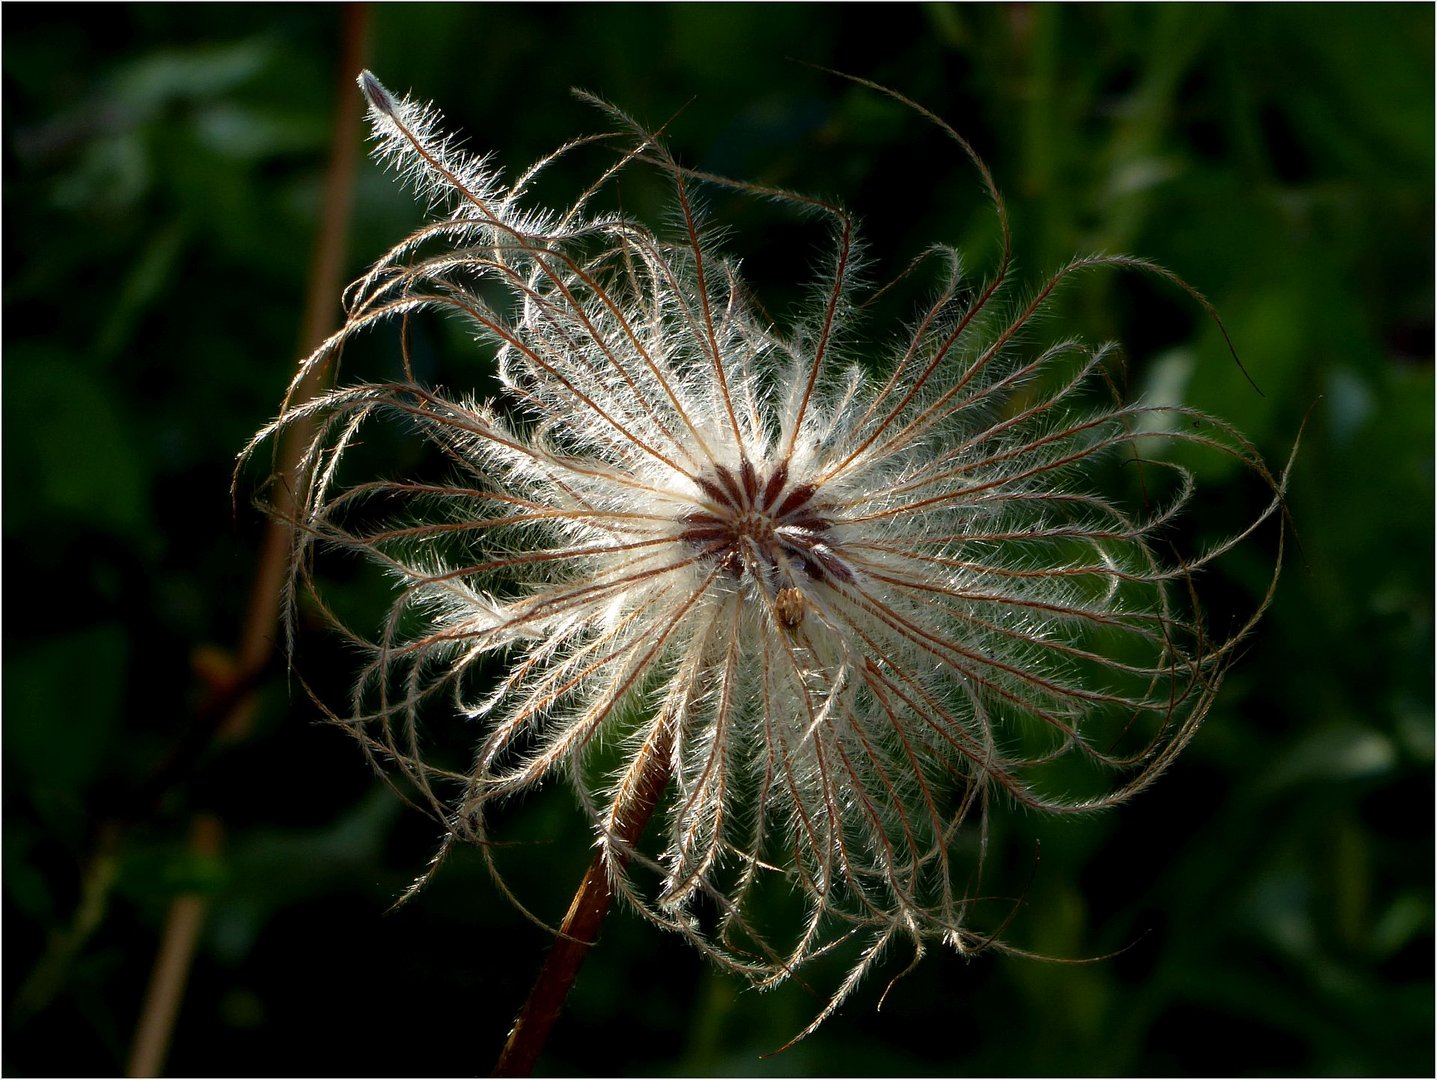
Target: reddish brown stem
[{"x": 580, "y": 928}]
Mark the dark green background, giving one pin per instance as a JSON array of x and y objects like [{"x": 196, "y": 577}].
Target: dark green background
[{"x": 1270, "y": 900}]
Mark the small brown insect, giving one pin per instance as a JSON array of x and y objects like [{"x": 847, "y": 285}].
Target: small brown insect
[{"x": 788, "y": 607}]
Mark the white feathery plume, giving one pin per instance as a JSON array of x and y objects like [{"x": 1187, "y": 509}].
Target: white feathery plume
[{"x": 834, "y": 613}]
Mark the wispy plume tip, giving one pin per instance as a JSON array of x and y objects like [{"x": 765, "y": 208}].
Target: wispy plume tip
[{"x": 375, "y": 93}]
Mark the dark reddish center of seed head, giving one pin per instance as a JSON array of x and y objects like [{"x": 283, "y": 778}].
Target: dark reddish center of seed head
[{"x": 763, "y": 524}]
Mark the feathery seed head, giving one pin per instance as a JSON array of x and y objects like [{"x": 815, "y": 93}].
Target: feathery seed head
[{"x": 825, "y": 614}]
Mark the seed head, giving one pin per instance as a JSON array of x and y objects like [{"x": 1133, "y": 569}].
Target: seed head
[{"x": 846, "y": 609}]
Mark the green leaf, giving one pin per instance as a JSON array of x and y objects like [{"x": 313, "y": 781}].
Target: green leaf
[
  {"x": 69, "y": 448},
  {"x": 63, "y": 700}
]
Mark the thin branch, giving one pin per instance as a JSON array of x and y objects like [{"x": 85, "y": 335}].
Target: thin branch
[
  {"x": 172, "y": 964},
  {"x": 231, "y": 702},
  {"x": 580, "y": 928}
]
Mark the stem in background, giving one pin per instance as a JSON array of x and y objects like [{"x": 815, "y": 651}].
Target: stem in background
[
  {"x": 172, "y": 963},
  {"x": 580, "y": 928},
  {"x": 227, "y": 712},
  {"x": 321, "y": 308}
]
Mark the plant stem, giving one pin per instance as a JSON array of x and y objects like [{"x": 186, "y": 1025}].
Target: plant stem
[
  {"x": 225, "y": 716},
  {"x": 580, "y": 928},
  {"x": 172, "y": 964}
]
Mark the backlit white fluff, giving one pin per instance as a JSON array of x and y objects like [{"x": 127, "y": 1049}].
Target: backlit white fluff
[{"x": 831, "y": 609}]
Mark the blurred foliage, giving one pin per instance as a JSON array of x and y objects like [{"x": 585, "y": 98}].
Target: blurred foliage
[{"x": 1266, "y": 909}]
